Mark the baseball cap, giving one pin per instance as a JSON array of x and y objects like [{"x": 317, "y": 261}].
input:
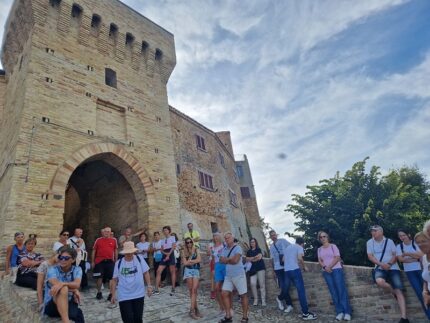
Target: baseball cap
[{"x": 376, "y": 228}]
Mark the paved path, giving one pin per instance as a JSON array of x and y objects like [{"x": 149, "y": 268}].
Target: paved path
[{"x": 165, "y": 308}]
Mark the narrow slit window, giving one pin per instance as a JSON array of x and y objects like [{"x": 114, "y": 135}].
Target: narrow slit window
[
  {"x": 158, "y": 54},
  {"x": 129, "y": 39},
  {"x": 113, "y": 31},
  {"x": 76, "y": 11},
  {"x": 110, "y": 77},
  {"x": 145, "y": 47},
  {"x": 95, "y": 22},
  {"x": 55, "y": 3}
]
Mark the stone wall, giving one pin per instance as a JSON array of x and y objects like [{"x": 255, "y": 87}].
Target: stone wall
[{"x": 200, "y": 205}]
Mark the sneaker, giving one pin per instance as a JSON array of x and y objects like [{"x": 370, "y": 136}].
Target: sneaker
[
  {"x": 347, "y": 317},
  {"x": 99, "y": 295},
  {"x": 263, "y": 303},
  {"x": 402, "y": 320},
  {"x": 172, "y": 291},
  {"x": 109, "y": 297},
  {"x": 308, "y": 317},
  {"x": 255, "y": 302},
  {"x": 156, "y": 292},
  {"x": 288, "y": 309},
  {"x": 280, "y": 304},
  {"x": 339, "y": 317}
]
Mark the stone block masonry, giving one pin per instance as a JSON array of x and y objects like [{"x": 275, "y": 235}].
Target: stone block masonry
[{"x": 87, "y": 137}]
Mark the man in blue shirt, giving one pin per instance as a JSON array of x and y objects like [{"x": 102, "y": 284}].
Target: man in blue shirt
[{"x": 62, "y": 288}]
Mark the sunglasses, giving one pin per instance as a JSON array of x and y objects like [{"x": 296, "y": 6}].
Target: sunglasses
[
  {"x": 188, "y": 242},
  {"x": 64, "y": 258},
  {"x": 323, "y": 237}
]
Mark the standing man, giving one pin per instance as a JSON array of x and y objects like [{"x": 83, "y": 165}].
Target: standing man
[
  {"x": 235, "y": 277},
  {"x": 293, "y": 255},
  {"x": 103, "y": 257},
  {"x": 128, "y": 236},
  {"x": 277, "y": 254},
  {"x": 77, "y": 243},
  {"x": 381, "y": 251},
  {"x": 193, "y": 234},
  {"x": 62, "y": 295},
  {"x": 128, "y": 286}
]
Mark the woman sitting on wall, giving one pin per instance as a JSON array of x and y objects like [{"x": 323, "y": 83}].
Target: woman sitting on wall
[
  {"x": 257, "y": 271},
  {"x": 12, "y": 253},
  {"x": 28, "y": 261},
  {"x": 330, "y": 261},
  {"x": 410, "y": 254},
  {"x": 422, "y": 239}
]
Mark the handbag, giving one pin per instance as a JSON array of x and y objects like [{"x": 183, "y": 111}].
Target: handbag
[
  {"x": 380, "y": 259},
  {"x": 158, "y": 256},
  {"x": 281, "y": 262}
]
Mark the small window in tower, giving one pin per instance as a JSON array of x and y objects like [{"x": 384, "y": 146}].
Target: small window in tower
[
  {"x": 129, "y": 39},
  {"x": 158, "y": 54},
  {"x": 95, "y": 22},
  {"x": 244, "y": 191},
  {"x": 145, "y": 47},
  {"x": 76, "y": 11},
  {"x": 113, "y": 31},
  {"x": 110, "y": 77},
  {"x": 214, "y": 227},
  {"x": 55, "y": 3}
]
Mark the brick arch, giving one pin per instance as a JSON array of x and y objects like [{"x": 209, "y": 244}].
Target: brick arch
[{"x": 119, "y": 158}]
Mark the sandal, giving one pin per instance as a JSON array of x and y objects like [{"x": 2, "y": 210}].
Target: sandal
[
  {"x": 226, "y": 320},
  {"x": 193, "y": 315},
  {"x": 244, "y": 320}
]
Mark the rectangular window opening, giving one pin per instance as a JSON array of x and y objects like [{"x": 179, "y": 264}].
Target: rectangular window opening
[
  {"x": 205, "y": 181},
  {"x": 110, "y": 77},
  {"x": 200, "y": 142},
  {"x": 244, "y": 191}
]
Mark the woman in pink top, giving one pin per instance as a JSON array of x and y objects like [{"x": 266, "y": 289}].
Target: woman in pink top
[{"x": 330, "y": 261}]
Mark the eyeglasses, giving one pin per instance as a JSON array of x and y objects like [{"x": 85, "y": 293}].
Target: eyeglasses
[
  {"x": 321, "y": 237},
  {"x": 188, "y": 242},
  {"x": 64, "y": 258}
]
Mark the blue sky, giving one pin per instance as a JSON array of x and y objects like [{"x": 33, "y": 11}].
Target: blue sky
[{"x": 324, "y": 83}]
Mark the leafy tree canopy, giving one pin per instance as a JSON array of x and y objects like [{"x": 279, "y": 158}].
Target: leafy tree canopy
[{"x": 346, "y": 206}]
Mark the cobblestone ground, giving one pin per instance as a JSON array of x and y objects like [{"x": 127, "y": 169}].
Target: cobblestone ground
[{"x": 174, "y": 308}]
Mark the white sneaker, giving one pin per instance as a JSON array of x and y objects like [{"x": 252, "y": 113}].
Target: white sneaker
[
  {"x": 280, "y": 304},
  {"x": 255, "y": 302},
  {"x": 288, "y": 309},
  {"x": 263, "y": 303},
  {"x": 309, "y": 316},
  {"x": 339, "y": 317},
  {"x": 347, "y": 317}
]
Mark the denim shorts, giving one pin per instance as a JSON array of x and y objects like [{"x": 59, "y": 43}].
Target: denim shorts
[
  {"x": 191, "y": 273},
  {"x": 390, "y": 276}
]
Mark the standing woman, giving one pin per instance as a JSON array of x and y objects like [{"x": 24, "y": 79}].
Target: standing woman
[
  {"x": 177, "y": 253},
  {"x": 130, "y": 275},
  {"x": 409, "y": 254},
  {"x": 329, "y": 259},
  {"x": 12, "y": 253},
  {"x": 157, "y": 257},
  {"x": 219, "y": 269},
  {"x": 257, "y": 271},
  {"x": 143, "y": 246},
  {"x": 167, "y": 247},
  {"x": 423, "y": 241},
  {"x": 191, "y": 260}
]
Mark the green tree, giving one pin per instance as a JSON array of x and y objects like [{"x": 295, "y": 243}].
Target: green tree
[{"x": 346, "y": 206}]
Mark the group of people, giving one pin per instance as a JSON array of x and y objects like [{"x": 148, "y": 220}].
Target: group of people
[{"x": 125, "y": 267}]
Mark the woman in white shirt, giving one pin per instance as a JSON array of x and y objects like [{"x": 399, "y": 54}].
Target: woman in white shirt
[
  {"x": 62, "y": 241},
  {"x": 410, "y": 254},
  {"x": 143, "y": 245},
  {"x": 422, "y": 239}
]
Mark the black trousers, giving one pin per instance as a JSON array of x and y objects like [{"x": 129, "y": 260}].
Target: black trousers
[
  {"x": 132, "y": 310},
  {"x": 27, "y": 280}
]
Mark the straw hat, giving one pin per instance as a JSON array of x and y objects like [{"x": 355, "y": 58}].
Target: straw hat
[{"x": 128, "y": 248}]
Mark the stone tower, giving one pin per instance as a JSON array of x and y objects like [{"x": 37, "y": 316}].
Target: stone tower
[{"x": 85, "y": 122}]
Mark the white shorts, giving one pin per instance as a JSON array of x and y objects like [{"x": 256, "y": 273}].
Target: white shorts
[{"x": 238, "y": 281}]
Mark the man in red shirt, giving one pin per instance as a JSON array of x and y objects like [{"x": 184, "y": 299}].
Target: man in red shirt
[{"x": 104, "y": 255}]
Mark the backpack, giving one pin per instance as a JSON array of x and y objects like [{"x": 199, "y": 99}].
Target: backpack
[{"x": 119, "y": 262}]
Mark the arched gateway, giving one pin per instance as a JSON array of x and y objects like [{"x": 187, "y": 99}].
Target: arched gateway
[{"x": 102, "y": 184}]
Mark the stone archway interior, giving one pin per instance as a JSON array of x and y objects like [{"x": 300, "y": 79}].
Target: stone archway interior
[{"x": 98, "y": 195}]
